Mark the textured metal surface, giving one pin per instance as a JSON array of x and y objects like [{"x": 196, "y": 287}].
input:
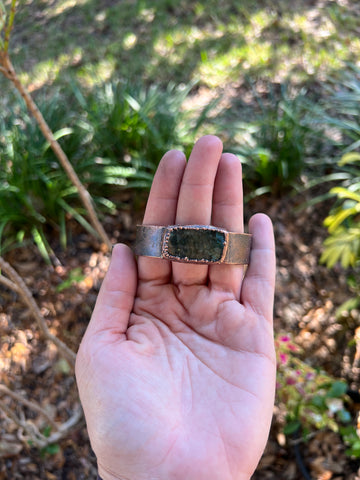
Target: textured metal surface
[{"x": 166, "y": 242}]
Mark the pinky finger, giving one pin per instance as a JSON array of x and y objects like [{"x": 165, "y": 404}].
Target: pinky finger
[{"x": 258, "y": 287}]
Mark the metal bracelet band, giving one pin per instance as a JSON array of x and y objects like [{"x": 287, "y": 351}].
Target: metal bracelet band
[{"x": 201, "y": 244}]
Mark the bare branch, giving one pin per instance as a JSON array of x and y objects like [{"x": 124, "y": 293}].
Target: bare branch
[
  {"x": 28, "y": 299},
  {"x": 54, "y": 144},
  {"x": 38, "y": 439},
  {"x": 3, "y": 70},
  {"x": 28, "y": 403},
  {"x": 65, "y": 427},
  {"x": 9, "y": 284},
  {"x": 34, "y": 434}
]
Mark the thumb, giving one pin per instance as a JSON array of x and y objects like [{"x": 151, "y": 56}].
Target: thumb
[{"x": 116, "y": 297}]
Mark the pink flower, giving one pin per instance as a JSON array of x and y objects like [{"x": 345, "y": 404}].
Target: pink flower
[
  {"x": 283, "y": 358},
  {"x": 290, "y": 381},
  {"x": 285, "y": 339}
]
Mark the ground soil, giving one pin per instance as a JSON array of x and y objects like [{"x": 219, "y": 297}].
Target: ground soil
[{"x": 307, "y": 297}]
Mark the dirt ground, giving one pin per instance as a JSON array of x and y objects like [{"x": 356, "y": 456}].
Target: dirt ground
[{"x": 307, "y": 297}]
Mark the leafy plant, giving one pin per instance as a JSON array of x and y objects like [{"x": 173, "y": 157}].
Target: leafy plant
[
  {"x": 134, "y": 125},
  {"x": 34, "y": 189},
  {"x": 352, "y": 439},
  {"x": 274, "y": 145},
  {"x": 311, "y": 399},
  {"x": 52, "y": 448},
  {"x": 343, "y": 222},
  {"x": 114, "y": 136},
  {"x": 75, "y": 276}
]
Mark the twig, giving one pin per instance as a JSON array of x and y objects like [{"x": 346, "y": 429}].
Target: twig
[
  {"x": 2, "y": 69},
  {"x": 30, "y": 429},
  {"x": 28, "y": 403},
  {"x": 64, "y": 428},
  {"x": 28, "y": 299},
  {"x": 59, "y": 152},
  {"x": 9, "y": 25},
  {"x": 9, "y": 284},
  {"x": 7, "y": 69},
  {"x": 38, "y": 439}
]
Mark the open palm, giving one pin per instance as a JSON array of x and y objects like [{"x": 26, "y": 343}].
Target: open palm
[{"x": 176, "y": 370}]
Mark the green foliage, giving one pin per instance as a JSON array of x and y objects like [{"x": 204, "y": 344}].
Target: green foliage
[
  {"x": 343, "y": 110},
  {"x": 75, "y": 276},
  {"x": 352, "y": 440},
  {"x": 114, "y": 137},
  {"x": 311, "y": 399},
  {"x": 343, "y": 243},
  {"x": 52, "y": 448},
  {"x": 343, "y": 222},
  {"x": 35, "y": 192},
  {"x": 135, "y": 126},
  {"x": 275, "y": 145}
]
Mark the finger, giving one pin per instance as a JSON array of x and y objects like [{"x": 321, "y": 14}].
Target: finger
[
  {"x": 195, "y": 200},
  {"x": 228, "y": 213},
  {"x": 258, "y": 286},
  {"x": 116, "y": 297},
  {"x": 161, "y": 210}
]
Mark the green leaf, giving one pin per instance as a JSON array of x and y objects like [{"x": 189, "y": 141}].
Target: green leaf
[
  {"x": 342, "y": 245},
  {"x": 292, "y": 427},
  {"x": 332, "y": 222},
  {"x": 318, "y": 401},
  {"x": 347, "y": 306},
  {"x": 41, "y": 244},
  {"x": 53, "y": 449},
  {"x": 344, "y": 416},
  {"x": 337, "y": 389},
  {"x": 57, "y": 135},
  {"x": 78, "y": 217},
  {"x": 75, "y": 276},
  {"x": 350, "y": 157},
  {"x": 47, "y": 430},
  {"x": 342, "y": 192}
]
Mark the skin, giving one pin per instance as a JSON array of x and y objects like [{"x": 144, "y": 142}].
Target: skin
[{"x": 176, "y": 371}]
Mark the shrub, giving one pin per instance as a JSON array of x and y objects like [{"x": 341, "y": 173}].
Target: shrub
[
  {"x": 135, "y": 125},
  {"x": 343, "y": 222},
  {"x": 311, "y": 399},
  {"x": 113, "y": 136},
  {"x": 274, "y": 146}
]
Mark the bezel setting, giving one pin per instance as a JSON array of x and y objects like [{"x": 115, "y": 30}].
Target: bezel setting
[{"x": 211, "y": 249}]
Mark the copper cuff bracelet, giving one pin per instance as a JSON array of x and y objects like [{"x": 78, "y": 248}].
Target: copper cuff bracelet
[{"x": 202, "y": 244}]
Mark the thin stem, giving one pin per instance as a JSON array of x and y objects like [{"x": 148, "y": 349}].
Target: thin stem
[
  {"x": 9, "y": 25},
  {"x": 8, "y": 70},
  {"x": 34, "y": 434},
  {"x": 38, "y": 439},
  {"x": 28, "y": 403},
  {"x": 28, "y": 299},
  {"x": 9, "y": 284}
]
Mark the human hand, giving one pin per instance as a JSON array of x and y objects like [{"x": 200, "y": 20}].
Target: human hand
[{"x": 176, "y": 371}]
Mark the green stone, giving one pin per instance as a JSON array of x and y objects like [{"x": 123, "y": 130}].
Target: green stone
[{"x": 196, "y": 245}]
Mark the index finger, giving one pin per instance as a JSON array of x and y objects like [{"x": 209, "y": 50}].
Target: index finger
[{"x": 161, "y": 210}]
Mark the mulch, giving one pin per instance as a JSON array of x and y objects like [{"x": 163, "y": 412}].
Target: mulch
[{"x": 307, "y": 297}]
